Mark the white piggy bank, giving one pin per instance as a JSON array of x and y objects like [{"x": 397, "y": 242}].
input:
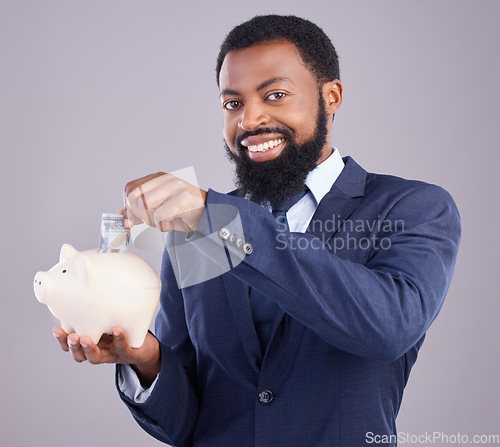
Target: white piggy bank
[{"x": 90, "y": 292}]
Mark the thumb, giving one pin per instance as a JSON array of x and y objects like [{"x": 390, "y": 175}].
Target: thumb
[{"x": 129, "y": 218}]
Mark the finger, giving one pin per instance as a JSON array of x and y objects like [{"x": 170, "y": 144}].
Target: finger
[
  {"x": 91, "y": 351},
  {"x": 131, "y": 190},
  {"x": 171, "y": 209},
  {"x": 163, "y": 190},
  {"x": 148, "y": 183},
  {"x": 174, "y": 188},
  {"x": 61, "y": 337},
  {"x": 152, "y": 194},
  {"x": 181, "y": 223},
  {"x": 130, "y": 186},
  {"x": 164, "y": 217},
  {"x": 177, "y": 215},
  {"x": 144, "y": 198},
  {"x": 129, "y": 219},
  {"x": 177, "y": 223},
  {"x": 76, "y": 348},
  {"x": 136, "y": 210},
  {"x": 121, "y": 345}
]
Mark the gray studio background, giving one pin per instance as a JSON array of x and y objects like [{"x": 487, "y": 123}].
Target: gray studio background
[{"x": 96, "y": 93}]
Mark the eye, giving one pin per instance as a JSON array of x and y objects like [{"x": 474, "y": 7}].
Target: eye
[
  {"x": 64, "y": 271},
  {"x": 276, "y": 96},
  {"x": 231, "y": 105}
]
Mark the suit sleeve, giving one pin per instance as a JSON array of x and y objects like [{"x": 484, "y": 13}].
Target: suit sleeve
[
  {"x": 169, "y": 413},
  {"x": 378, "y": 309}
]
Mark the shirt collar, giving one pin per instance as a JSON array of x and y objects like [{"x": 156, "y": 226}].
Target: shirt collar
[{"x": 321, "y": 179}]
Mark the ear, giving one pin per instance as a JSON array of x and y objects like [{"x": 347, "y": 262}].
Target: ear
[
  {"x": 83, "y": 268},
  {"x": 332, "y": 94},
  {"x": 67, "y": 252}
]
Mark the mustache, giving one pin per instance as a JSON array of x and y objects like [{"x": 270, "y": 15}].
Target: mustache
[{"x": 287, "y": 132}]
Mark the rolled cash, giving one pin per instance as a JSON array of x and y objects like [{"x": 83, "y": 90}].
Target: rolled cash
[{"x": 114, "y": 236}]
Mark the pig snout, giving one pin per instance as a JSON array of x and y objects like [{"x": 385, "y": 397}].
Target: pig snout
[{"x": 41, "y": 286}]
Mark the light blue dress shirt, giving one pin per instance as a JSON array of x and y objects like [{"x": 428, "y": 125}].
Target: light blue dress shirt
[{"x": 319, "y": 181}]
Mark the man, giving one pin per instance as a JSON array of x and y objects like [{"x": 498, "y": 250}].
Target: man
[{"x": 309, "y": 339}]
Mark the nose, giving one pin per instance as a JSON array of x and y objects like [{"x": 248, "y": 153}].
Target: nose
[
  {"x": 40, "y": 286},
  {"x": 252, "y": 117}
]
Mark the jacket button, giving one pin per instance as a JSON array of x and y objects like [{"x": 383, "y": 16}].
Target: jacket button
[
  {"x": 248, "y": 248},
  {"x": 266, "y": 397},
  {"x": 224, "y": 233},
  {"x": 239, "y": 243},
  {"x": 232, "y": 239}
]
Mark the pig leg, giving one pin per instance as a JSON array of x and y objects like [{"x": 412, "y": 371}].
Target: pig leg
[
  {"x": 136, "y": 336},
  {"x": 67, "y": 328},
  {"x": 94, "y": 335}
]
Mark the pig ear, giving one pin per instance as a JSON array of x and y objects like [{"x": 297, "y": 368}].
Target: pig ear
[
  {"x": 67, "y": 252},
  {"x": 83, "y": 268}
]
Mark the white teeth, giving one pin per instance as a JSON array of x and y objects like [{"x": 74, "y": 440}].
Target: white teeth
[{"x": 265, "y": 146}]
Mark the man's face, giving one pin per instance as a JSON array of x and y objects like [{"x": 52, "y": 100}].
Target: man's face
[{"x": 275, "y": 123}]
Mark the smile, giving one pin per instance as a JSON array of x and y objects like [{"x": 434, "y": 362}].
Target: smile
[{"x": 263, "y": 147}]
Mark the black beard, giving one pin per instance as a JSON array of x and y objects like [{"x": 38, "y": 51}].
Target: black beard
[{"x": 277, "y": 181}]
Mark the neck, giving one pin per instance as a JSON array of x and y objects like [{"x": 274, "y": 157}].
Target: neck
[{"x": 326, "y": 151}]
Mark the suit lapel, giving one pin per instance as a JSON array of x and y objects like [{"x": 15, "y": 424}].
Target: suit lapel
[{"x": 340, "y": 202}]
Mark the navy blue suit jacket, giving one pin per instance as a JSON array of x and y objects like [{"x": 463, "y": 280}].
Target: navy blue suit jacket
[{"x": 356, "y": 294}]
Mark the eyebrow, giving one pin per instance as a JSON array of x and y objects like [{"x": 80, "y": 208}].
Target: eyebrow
[{"x": 260, "y": 87}]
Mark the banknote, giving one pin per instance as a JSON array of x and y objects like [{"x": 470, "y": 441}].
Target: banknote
[{"x": 114, "y": 236}]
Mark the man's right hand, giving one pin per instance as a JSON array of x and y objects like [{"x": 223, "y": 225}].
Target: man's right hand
[
  {"x": 114, "y": 348},
  {"x": 163, "y": 201}
]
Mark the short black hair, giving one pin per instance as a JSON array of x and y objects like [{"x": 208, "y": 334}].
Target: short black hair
[{"x": 314, "y": 46}]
